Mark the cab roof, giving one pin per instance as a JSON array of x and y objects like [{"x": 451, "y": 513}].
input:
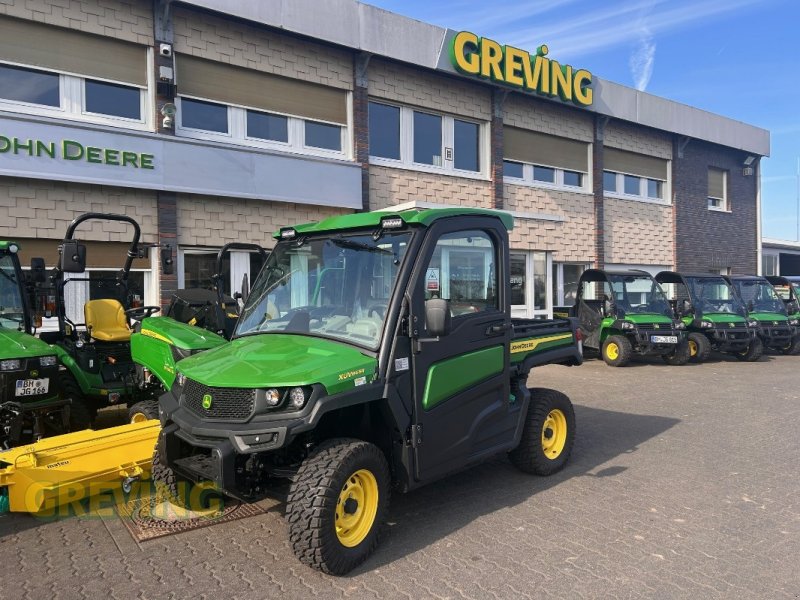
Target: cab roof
[
  {"x": 424, "y": 217},
  {"x": 4, "y": 245}
]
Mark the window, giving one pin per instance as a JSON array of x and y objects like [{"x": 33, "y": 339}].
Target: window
[
  {"x": 402, "y": 136},
  {"x": 541, "y": 159},
  {"x": 207, "y": 116},
  {"x": 462, "y": 270},
  {"x": 266, "y": 126},
  {"x": 635, "y": 176},
  {"x": 322, "y": 135},
  {"x": 113, "y": 99},
  {"x": 717, "y": 189},
  {"x": 566, "y": 277},
  {"x": 769, "y": 264},
  {"x": 29, "y": 85}
]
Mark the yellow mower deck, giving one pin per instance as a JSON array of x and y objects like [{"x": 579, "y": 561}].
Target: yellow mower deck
[{"x": 66, "y": 468}]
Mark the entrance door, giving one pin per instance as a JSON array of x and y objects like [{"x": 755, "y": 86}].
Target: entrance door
[
  {"x": 531, "y": 282},
  {"x": 460, "y": 380}
]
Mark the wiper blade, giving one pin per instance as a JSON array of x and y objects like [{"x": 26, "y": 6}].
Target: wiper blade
[{"x": 353, "y": 245}]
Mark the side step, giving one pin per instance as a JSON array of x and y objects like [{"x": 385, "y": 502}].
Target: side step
[{"x": 65, "y": 468}]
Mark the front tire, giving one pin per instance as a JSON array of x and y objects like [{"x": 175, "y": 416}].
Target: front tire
[
  {"x": 699, "y": 347},
  {"x": 679, "y": 356},
  {"x": 754, "y": 351},
  {"x": 617, "y": 351},
  {"x": 80, "y": 415},
  {"x": 143, "y": 411},
  {"x": 337, "y": 505},
  {"x": 547, "y": 435},
  {"x": 794, "y": 347}
]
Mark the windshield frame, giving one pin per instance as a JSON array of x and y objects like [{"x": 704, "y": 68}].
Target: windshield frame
[
  {"x": 334, "y": 236},
  {"x": 691, "y": 281},
  {"x": 18, "y": 285},
  {"x": 655, "y": 287}
]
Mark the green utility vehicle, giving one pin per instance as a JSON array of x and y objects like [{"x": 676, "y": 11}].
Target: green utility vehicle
[
  {"x": 788, "y": 289},
  {"x": 375, "y": 351},
  {"x": 197, "y": 319},
  {"x": 30, "y": 404},
  {"x": 622, "y": 313},
  {"x": 777, "y": 329},
  {"x": 97, "y": 352},
  {"x": 715, "y": 317}
]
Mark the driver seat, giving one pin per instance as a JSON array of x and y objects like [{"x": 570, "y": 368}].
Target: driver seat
[{"x": 106, "y": 320}]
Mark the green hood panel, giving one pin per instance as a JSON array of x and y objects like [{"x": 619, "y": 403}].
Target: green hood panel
[
  {"x": 724, "y": 318},
  {"x": 647, "y": 318},
  {"x": 182, "y": 335},
  {"x": 18, "y": 344},
  {"x": 768, "y": 316},
  {"x": 281, "y": 360}
]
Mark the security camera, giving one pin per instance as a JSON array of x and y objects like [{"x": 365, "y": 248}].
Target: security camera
[
  {"x": 168, "y": 112},
  {"x": 165, "y": 50}
]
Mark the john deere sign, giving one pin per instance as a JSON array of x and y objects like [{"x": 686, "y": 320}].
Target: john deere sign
[
  {"x": 485, "y": 58},
  {"x": 72, "y": 150}
]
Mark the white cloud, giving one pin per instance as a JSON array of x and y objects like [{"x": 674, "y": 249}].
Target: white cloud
[{"x": 642, "y": 59}]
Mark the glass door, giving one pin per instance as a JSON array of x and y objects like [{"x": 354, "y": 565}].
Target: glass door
[{"x": 531, "y": 282}]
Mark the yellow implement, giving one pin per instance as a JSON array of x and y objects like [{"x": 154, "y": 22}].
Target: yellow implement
[{"x": 69, "y": 468}]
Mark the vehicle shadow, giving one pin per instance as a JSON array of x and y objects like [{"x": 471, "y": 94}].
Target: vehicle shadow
[{"x": 424, "y": 516}]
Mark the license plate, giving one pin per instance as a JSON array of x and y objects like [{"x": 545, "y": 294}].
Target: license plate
[
  {"x": 664, "y": 339},
  {"x": 32, "y": 387}
]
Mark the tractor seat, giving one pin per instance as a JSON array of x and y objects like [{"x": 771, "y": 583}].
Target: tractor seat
[{"x": 106, "y": 321}]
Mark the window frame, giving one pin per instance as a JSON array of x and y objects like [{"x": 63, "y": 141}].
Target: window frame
[
  {"x": 724, "y": 205},
  {"x": 558, "y": 184},
  {"x": 406, "y": 160},
  {"x": 643, "y": 195}
]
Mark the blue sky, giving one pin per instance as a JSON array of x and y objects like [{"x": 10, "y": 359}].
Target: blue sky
[{"x": 737, "y": 58}]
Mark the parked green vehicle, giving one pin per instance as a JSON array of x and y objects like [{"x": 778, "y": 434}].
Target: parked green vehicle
[
  {"x": 375, "y": 352},
  {"x": 625, "y": 313},
  {"x": 30, "y": 404},
  {"x": 777, "y": 329},
  {"x": 788, "y": 289},
  {"x": 715, "y": 317}
]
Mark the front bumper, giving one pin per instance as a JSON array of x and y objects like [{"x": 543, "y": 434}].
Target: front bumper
[
  {"x": 776, "y": 336},
  {"x": 644, "y": 340},
  {"x": 730, "y": 340}
]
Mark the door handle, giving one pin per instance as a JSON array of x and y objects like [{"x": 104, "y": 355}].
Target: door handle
[{"x": 498, "y": 328}]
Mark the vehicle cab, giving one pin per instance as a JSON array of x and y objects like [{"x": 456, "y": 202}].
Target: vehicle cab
[{"x": 777, "y": 329}]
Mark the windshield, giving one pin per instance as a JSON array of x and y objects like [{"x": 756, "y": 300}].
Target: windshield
[
  {"x": 336, "y": 287},
  {"x": 639, "y": 294},
  {"x": 761, "y": 294},
  {"x": 713, "y": 295},
  {"x": 12, "y": 314}
]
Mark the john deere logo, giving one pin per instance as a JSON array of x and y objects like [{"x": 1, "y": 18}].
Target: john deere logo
[
  {"x": 34, "y": 373},
  {"x": 657, "y": 326},
  {"x": 774, "y": 322},
  {"x": 731, "y": 324},
  {"x": 207, "y": 400}
]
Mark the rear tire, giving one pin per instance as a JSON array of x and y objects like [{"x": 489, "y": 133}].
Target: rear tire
[
  {"x": 337, "y": 505},
  {"x": 753, "y": 352},
  {"x": 547, "y": 435},
  {"x": 679, "y": 356},
  {"x": 617, "y": 351},
  {"x": 699, "y": 347},
  {"x": 143, "y": 411},
  {"x": 81, "y": 416}
]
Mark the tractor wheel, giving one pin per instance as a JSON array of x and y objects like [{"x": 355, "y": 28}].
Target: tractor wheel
[
  {"x": 679, "y": 356},
  {"x": 617, "y": 351},
  {"x": 547, "y": 435},
  {"x": 699, "y": 347},
  {"x": 794, "y": 347},
  {"x": 81, "y": 416},
  {"x": 143, "y": 411},
  {"x": 753, "y": 352},
  {"x": 337, "y": 505}
]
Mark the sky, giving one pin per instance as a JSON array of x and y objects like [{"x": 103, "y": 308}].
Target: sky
[{"x": 736, "y": 58}]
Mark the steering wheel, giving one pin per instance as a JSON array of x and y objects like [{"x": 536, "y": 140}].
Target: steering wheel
[
  {"x": 378, "y": 309},
  {"x": 141, "y": 312}
]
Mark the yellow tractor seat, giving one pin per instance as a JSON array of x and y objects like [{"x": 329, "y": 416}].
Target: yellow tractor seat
[{"x": 106, "y": 320}]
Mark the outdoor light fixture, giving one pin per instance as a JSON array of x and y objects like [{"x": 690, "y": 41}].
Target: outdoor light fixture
[
  {"x": 749, "y": 161},
  {"x": 288, "y": 234},
  {"x": 168, "y": 112}
]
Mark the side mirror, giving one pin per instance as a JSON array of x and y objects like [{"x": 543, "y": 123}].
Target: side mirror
[
  {"x": 750, "y": 306},
  {"x": 38, "y": 274},
  {"x": 167, "y": 267},
  {"x": 608, "y": 307},
  {"x": 686, "y": 307},
  {"x": 437, "y": 316},
  {"x": 792, "y": 307},
  {"x": 245, "y": 288},
  {"x": 73, "y": 257}
]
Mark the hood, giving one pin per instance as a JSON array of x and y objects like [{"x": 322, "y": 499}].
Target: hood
[
  {"x": 769, "y": 316},
  {"x": 640, "y": 318},
  {"x": 724, "y": 318},
  {"x": 281, "y": 360},
  {"x": 18, "y": 344},
  {"x": 182, "y": 335}
]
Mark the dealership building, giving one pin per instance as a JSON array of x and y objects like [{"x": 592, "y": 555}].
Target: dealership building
[{"x": 288, "y": 111}]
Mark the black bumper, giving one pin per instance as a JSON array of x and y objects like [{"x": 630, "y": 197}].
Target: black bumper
[
  {"x": 643, "y": 344},
  {"x": 776, "y": 337},
  {"x": 730, "y": 340}
]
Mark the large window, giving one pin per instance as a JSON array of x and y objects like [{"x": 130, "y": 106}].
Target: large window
[
  {"x": 206, "y": 116},
  {"x": 31, "y": 86},
  {"x": 113, "y": 99},
  {"x": 634, "y": 176},
  {"x": 717, "y": 189},
  {"x": 402, "y": 136},
  {"x": 533, "y": 158},
  {"x": 530, "y": 284},
  {"x": 566, "y": 277}
]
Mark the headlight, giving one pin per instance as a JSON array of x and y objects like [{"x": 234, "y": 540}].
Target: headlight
[
  {"x": 10, "y": 365},
  {"x": 794, "y": 322},
  {"x": 297, "y": 397},
  {"x": 628, "y": 325},
  {"x": 680, "y": 325},
  {"x": 752, "y": 323},
  {"x": 48, "y": 361},
  {"x": 180, "y": 378},
  {"x": 706, "y": 324},
  {"x": 273, "y": 397}
]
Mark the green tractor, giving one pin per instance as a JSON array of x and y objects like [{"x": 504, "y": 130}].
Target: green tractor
[
  {"x": 623, "y": 313},
  {"x": 30, "y": 404},
  {"x": 715, "y": 317},
  {"x": 96, "y": 353},
  {"x": 776, "y": 326},
  {"x": 197, "y": 319}
]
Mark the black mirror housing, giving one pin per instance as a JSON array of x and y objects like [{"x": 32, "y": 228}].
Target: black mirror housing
[
  {"x": 167, "y": 264},
  {"x": 437, "y": 316},
  {"x": 686, "y": 307},
  {"x": 73, "y": 257},
  {"x": 38, "y": 274}
]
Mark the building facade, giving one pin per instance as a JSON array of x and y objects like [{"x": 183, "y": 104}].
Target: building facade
[{"x": 213, "y": 121}]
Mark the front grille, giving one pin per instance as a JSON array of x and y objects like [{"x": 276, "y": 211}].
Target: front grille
[{"x": 227, "y": 404}]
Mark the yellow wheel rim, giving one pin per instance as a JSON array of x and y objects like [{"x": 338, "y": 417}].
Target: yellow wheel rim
[
  {"x": 138, "y": 417},
  {"x": 356, "y": 508},
  {"x": 612, "y": 351},
  {"x": 692, "y": 348},
  {"x": 554, "y": 434}
]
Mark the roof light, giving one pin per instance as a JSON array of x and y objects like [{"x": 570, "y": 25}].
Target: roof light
[
  {"x": 288, "y": 233},
  {"x": 13, "y": 248},
  {"x": 391, "y": 223}
]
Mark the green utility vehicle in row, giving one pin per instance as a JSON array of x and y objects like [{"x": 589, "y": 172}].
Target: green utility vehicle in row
[
  {"x": 777, "y": 329},
  {"x": 715, "y": 317},
  {"x": 788, "y": 289},
  {"x": 622, "y": 313},
  {"x": 375, "y": 351},
  {"x": 30, "y": 404}
]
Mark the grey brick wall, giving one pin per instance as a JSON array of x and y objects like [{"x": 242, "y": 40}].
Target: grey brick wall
[
  {"x": 389, "y": 187},
  {"x": 638, "y": 232},
  {"x": 547, "y": 117},
  {"x": 707, "y": 239}
]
